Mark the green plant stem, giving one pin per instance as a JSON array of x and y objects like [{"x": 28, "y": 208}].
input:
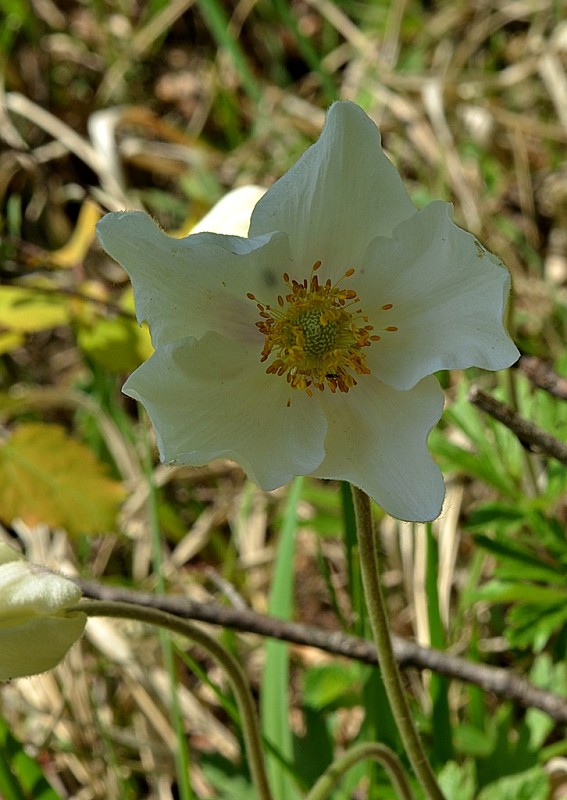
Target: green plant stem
[
  {"x": 250, "y": 726},
  {"x": 370, "y": 566},
  {"x": 182, "y": 758},
  {"x": 359, "y": 752}
]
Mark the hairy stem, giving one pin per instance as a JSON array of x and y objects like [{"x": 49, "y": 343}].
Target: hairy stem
[
  {"x": 370, "y": 567},
  {"x": 359, "y": 752},
  {"x": 250, "y": 727}
]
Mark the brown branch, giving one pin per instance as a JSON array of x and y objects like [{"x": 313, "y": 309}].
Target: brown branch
[
  {"x": 501, "y": 682},
  {"x": 541, "y": 374},
  {"x": 526, "y": 431}
]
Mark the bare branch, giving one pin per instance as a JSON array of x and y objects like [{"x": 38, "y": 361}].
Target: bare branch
[
  {"x": 526, "y": 431},
  {"x": 541, "y": 374},
  {"x": 502, "y": 682}
]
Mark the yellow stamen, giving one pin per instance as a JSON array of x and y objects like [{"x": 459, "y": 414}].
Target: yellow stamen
[{"x": 316, "y": 334}]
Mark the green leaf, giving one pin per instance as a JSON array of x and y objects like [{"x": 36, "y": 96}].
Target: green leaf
[
  {"x": 117, "y": 344},
  {"x": 487, "y": 470},
  {"x": 457, "y": 781},
  {"x": 46, "y": 476},
  {"x": 520, "y": 557},
  {"x": 490, "y": 513},
  {"x": 508, "y": 592},
  {"x": 531, "y": 625},
  {"x": 530, "y": 785},
  {"x": 472, "y": 741},
  {"x": 21, "y": 776},
  {"x": 328, "y": 684},
  {"x": 226, "y": 779}
]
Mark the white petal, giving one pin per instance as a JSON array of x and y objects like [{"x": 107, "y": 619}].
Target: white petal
[
  {"x": 449, "y": 297},
  {"x": 341, "y": 194},
  {"x": 26, "y": 589},
  {"x": 231, "y": 215},
  {"x": 35, "y": 629},
  {"x": 186, "y": 287},
  {"x": 38, "y": 644},
  {"x": 377, "y": 440},
  {"x": 211, "y": 399}
]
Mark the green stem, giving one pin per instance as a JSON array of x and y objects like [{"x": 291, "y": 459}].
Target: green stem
[
  {"x": 359, "y": 752},
  {"x": 250, "y": 727},
  {"x": 370, "y": 566}
]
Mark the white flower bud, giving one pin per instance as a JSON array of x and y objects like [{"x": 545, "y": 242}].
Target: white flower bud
[{"x": 36, "y": 630}]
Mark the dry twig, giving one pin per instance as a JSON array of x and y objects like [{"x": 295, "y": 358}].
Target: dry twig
[
  {"x": 541, "y": 374},
  {"x": 528, "y": 433},
  {"x": 501, "y": 682}
]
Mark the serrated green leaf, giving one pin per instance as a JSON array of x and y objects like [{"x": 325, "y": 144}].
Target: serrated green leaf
[
  {"x": 46, "y": 476},
  {"x": 486, "y": 469},
  {"x": 531, "y": 625},
  {"x": 530, "y": 785},
  {"x": 491, "y": 513},
  {"x": 516, "y": 572},
  {"x": 516, "y": 554},
  {"x": 507, "y": 592}
]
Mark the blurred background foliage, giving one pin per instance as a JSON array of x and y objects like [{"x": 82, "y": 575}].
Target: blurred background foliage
[{"x": 166, "y": 105}]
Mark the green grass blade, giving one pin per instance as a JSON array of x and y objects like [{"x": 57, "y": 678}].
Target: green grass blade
[
  {"x": 217, "y": 22},
  {"x": 275, "y": 682},
  {"x": 353, "y": 565},
  {"x": 439, "y": 685}
]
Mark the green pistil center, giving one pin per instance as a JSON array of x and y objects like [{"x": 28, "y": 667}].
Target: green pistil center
[
  {"x": 319, "y": 338},
  {"x": 317, "y": 334}
]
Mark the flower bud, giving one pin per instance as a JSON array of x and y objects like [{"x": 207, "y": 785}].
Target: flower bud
[{"x": 36, "y": 630}]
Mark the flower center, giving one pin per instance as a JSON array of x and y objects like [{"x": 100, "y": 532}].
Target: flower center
[{"x": 316, "y": 335}]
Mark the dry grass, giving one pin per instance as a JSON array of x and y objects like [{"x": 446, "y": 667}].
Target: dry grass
[{"x": 108, "y": 103}]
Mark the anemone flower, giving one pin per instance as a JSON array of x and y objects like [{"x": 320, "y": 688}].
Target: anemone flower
[{"x": 309, "y": 347}]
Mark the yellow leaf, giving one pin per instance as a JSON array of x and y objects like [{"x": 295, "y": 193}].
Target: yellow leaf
[
  {"x": 10, "y": 341},
  {"x": 75, "y": 250},
  {"x": 46, "y": 476},
  {"x": 25, "y": 310}
]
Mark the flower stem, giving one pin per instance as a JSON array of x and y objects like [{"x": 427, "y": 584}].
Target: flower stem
[
  {"x": 370, "y": 567},
  {"x": 240, "y": 686},
  {"x": 359, "y": 752}
]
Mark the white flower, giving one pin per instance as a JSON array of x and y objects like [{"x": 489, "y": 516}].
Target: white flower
[
  {"x": 309, "y": 347},
  {"x": 36, "y": 630}
]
